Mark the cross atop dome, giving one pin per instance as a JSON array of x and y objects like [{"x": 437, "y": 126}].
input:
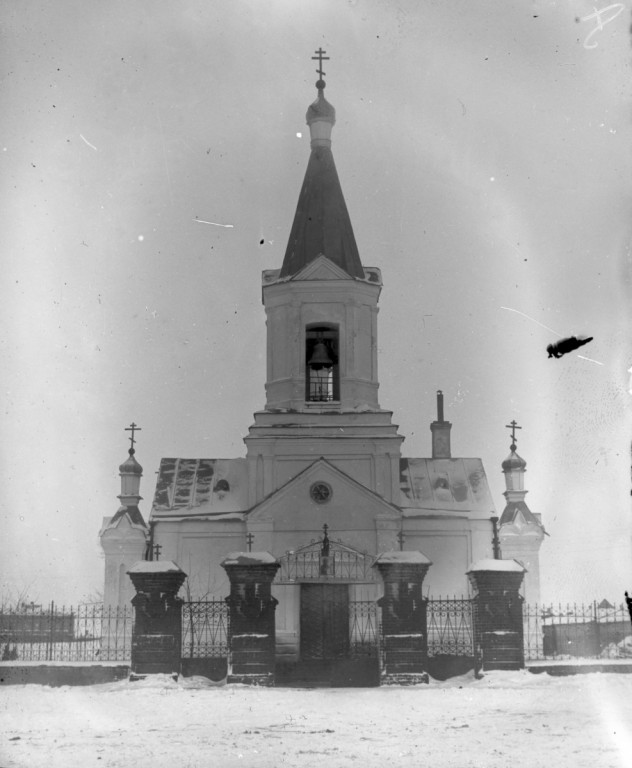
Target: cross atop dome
[
  {"x": 132, "y": 427},
  {"x": 513, "y": 426},
  {"x": 320, "y": 57}
]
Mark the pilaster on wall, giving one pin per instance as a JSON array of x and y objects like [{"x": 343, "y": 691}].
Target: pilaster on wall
[{"x": 386, "y": 529}]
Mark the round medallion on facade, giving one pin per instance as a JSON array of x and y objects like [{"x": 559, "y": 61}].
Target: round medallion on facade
[{"x": 320, "y": 493}]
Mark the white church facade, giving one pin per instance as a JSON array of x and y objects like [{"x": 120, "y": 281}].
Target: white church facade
[{"x": 323, "y": 468}]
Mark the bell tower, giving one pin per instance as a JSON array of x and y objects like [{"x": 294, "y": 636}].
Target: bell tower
[{"x": 321, "y": 317}]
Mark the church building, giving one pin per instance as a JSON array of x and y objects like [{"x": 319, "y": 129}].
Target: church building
[{"x": 323, "y": 471}]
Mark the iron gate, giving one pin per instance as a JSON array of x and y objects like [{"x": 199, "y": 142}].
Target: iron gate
[
  {"x": 324, "y": 621},
  {"x": 450, "y": 636},
  {"x": 205, "y": 643},
  {"x": 364, "y": 628}
]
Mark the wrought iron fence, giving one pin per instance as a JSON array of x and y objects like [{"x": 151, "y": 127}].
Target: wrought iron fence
[
  {"x": 450, "y": 627},
  {"x": 364, "y": 628},
  {"x": 575, "y": 631},
  {"x": 90, "y": 632},
  {"x": 205, "y": 629}
]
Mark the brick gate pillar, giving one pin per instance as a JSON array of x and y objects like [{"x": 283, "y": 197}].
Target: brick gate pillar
[
  {"x": 252, "y": 616},
  {"x": 404, "y": 631},
  {"x": 498, "y": 628},
  {"x": 157, "y": 631}
]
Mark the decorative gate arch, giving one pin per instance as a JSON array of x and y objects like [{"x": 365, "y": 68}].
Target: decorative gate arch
[{"x": 326, "y": 561}]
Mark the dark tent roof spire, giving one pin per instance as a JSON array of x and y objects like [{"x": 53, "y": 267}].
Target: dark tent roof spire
[{"x": 321, "y": 223}]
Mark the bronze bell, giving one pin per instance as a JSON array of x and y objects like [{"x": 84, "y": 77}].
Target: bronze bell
[{"x": 320, "y": 357}]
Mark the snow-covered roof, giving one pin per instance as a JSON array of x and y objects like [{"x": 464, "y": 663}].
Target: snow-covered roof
[
  {"x": 200, "y": 487},
  {"x": 487, "y": 564},
  {"x": 214, "y": 487},
  {"x": 455, "y": 485}
]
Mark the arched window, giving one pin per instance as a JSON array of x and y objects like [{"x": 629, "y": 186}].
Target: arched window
[{"x": 322, "y": 374}]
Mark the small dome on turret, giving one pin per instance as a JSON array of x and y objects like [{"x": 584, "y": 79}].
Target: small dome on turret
[
  {"x": 320, "y": 117},
  {"x": 131, "y": 466},
  {"x": 513, "y": 461},
  {"x": 320, "y": 109}
]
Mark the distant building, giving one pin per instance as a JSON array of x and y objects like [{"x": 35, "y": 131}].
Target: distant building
[
  {"x": 36, "y": 626},
  {"x": 323, "y": 485}
]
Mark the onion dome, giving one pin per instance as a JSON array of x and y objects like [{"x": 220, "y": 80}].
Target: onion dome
[
  {"x": 130, "y": 466},
  {"x": 320, "y": 117},
  {"x": 130, "y": 473},
  {"x": 513, "y": 461},
  {"x": 320, "y": 109}
]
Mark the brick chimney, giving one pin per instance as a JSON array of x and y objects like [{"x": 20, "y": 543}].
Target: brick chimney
[{"x": 440, "y": 432}]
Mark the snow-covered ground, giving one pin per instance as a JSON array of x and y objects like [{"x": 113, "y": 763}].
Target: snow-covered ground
[{"x": 504, "y": 720}]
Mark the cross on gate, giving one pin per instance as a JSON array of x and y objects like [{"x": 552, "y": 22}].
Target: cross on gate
[
  {"x": 132, "y": 428},
  {"x": 157, "y": 548},
  {"x": 324, "y": 552},
  {"x": 249, "y": 539},
  {"x": 320, "y": 57},
  {"x": 325, "y": 546},
  {"x": 513, "y": 426},
  {"x": 400, "y": 537}
]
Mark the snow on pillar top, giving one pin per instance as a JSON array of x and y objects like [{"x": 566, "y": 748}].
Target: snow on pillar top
[{"x": 487, "y": 564}]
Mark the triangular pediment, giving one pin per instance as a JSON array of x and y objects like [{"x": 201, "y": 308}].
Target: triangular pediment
[
  {"x": 342, "y": 492},
  {"x": 322, "y": 268},
  {"x": 123, "y": 528}
]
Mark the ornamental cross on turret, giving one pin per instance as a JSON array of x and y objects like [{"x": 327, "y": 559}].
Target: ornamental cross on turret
[
  {"x": 132, "y": 427},
  {"x": 513, "y": 427},
  {"x": 320, "y": 57}
]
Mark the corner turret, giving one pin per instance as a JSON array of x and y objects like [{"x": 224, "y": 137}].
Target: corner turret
[
  {"x": 124, "y": 536},
  {"x": 520, "y": 531}
]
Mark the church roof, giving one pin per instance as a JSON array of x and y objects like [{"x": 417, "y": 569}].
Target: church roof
[
  {"x": 455, "y": 484},
  {"x": 321, "y": 223},
  {"x": 205, "y": 486},
  {"x": 218, "y": 487}
]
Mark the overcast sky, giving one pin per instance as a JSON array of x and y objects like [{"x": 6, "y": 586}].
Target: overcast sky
[{"x": 484, "y": 154}]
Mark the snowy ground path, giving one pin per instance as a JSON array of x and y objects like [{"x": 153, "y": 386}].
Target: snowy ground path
[{"x": 519, "y": 720}]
